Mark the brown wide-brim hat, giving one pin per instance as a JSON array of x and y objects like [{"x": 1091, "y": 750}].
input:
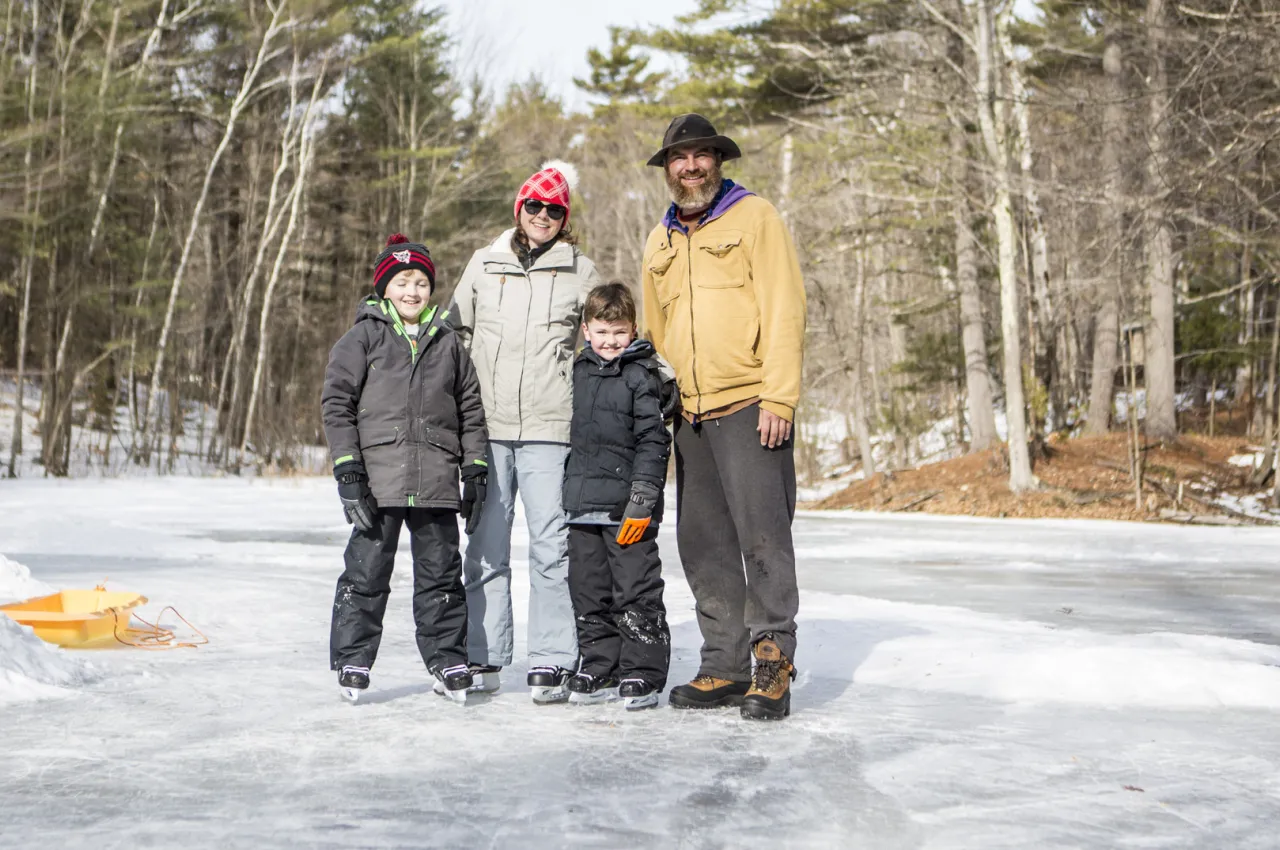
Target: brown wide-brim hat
[{"x": 693, "y": 129}]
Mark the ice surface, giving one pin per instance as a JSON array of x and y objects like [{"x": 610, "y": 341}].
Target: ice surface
[{"x": 964, "y": 684}]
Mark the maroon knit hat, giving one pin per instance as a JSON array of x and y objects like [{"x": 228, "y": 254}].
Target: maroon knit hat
[{"x": 401, "y": 254}]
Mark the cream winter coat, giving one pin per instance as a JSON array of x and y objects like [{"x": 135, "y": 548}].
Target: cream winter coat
[{"x": 522, "y": 327}]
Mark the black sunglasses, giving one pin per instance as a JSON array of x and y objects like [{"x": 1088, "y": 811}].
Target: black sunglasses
[{"x": 554, "y": 211}]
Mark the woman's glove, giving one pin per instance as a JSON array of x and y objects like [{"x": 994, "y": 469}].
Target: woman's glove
[
  {"x": 353, "y": 490},
  {"x": 475, "y": 479}
]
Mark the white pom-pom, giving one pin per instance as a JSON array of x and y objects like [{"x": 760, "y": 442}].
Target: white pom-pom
[{"x": 570, "y": 173}]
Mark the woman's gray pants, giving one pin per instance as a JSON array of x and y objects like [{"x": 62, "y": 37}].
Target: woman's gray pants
[{"x": 534, "y": 470}]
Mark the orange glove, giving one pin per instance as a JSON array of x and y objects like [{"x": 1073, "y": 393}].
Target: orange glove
[
  {"x": 638, "y": 513},
  {"x": 632, "y": 530}
]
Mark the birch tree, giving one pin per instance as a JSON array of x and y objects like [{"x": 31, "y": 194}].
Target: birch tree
[
  {"x": 264, "y": 53},
  {"x": 992, "y": 120}
]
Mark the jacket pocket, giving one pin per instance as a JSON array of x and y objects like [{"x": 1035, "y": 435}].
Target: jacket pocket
[
  {"x": 721, "y": 264},
  {"x": 444, "y": 440},
  {"x": 665, "y": 283},
  {"x": 377, "y": 435}
]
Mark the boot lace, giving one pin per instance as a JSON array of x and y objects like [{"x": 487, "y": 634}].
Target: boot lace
[{"x": 767, "y": 674}]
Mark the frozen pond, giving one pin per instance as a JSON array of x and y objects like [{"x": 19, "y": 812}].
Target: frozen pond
[{"x": 964, "y": 684}]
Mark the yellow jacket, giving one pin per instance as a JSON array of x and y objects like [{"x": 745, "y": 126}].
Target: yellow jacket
[{"x": 725, "y": 306}]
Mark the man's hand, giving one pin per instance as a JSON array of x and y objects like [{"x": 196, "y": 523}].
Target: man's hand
[
  {"x": 475, "y": 480},
  {"x": 774, "y": 430},
  {"x": 353, "y": 490}
]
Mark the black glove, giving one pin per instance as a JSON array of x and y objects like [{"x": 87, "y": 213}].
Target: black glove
[
  {"x": 353, "y": 490},
  {"x": 475, "y": 480},
  {"x": 638, "y": 512}
]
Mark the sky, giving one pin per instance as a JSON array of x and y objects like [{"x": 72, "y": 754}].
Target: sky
[{"x": 507, "y": 40}]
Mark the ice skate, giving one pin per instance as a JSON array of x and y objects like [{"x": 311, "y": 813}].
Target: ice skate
[
  {"x": 547, "y": 685},
  {"x": 484, "y": 678},
  {"x": 353, "y": 681},
  {"x": 453, "y": 682},
  {"x": 637, "y": 694},
  {"x": 586, "y": 689}
]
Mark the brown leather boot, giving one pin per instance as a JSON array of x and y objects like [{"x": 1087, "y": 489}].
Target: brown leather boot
[
  {"x": 770, "y": 694},
  {"x": 707, "y": 692}
]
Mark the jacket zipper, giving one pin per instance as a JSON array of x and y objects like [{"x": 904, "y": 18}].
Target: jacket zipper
[
  {"x": 693, "y": 341},
  {"x": 416, "y": 347},
  {"x": 524, "y": 356}
]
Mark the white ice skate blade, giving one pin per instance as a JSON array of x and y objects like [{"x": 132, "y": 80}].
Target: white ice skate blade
[
  {"x": 484, "y": 683},
  {"x": 637, "y": 703},
  {"x": 351, "y": 695},
  {"x": 459, "y": 696},
  {"x": 549, "y": 695},
  {"x": 601, "y": 696}
]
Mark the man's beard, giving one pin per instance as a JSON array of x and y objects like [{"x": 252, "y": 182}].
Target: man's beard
[{"x": 699, "y": 197}]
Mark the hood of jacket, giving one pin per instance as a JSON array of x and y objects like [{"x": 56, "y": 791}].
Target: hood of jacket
[
  {"x": 730, "y": 193},
  {"x": 374, "y": 309},
  {"x": 559, "y": 256},
  {"x": 639, "y": 349}
]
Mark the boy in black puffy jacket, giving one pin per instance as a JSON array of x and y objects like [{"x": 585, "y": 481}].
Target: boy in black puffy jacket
[
  {"x": 618, "y": 451},
  {"x": 403, "y": 416}
]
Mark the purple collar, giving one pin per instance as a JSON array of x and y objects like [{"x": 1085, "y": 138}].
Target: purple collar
[{"x": 730, "y": 193}]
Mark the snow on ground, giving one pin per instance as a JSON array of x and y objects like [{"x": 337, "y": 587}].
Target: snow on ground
[
  {"x": 94, "y": 452},
  {"x": 964, "y": 683},
  {"x": 30, "y": 669}
]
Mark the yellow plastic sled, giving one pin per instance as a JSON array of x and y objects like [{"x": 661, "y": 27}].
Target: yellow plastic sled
[{"x": 77, "y": 618}]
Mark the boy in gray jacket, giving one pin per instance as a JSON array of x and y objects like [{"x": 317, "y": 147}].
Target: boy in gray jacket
[{"x": 402, "y": 415}]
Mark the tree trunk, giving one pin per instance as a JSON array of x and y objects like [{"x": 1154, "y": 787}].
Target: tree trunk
[
  {"x": 1162, "y": 422},
  {"x": 237, "y": 106},
  {"x": 1106, "y": 334},
  {"x": 994, "y": 131},
  {"x": 860, "y": 428},
  {"x": 30, "y": 217},
  {"x": 271, "y": 226},
  {"x": 977, "y": 372},
  {"x": 1037, "y": 237},
  {"x": 306, "y": 152}
]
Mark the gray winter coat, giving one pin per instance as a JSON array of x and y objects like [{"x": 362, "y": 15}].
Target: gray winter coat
[
  {"x": 411, "y": 418},
  {"x": 522, "y": 328}
]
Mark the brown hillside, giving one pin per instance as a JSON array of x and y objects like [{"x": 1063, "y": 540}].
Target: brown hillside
[{"x": 1083, "y": 478}]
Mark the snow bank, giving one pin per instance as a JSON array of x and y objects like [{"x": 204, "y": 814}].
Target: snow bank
[
  {"x": 30, "y": 669},
  {"x": 17, "y": 584}
]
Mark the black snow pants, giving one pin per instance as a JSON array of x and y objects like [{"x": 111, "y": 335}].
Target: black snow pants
[
  {"x": 439, "y": 602},
  {"x": 617, "y": 604},
  {"x": 735, "y": 500}
]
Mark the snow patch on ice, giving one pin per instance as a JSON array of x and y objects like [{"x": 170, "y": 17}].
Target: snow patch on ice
[
  {"x": 954, "y": 650},
  {"x": 30, "y": 669}
]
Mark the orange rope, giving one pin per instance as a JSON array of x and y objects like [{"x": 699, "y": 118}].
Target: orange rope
[{"x": 155, "y": 636}]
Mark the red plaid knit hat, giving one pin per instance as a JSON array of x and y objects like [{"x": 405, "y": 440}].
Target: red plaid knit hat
[
  {"x": 401, "y": 254},
  {"x": 551, "y": 185}
]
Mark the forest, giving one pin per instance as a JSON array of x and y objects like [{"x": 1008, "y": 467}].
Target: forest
[{"x": 1015, "y": 220}]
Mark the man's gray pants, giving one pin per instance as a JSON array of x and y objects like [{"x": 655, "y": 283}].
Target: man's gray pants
[
  {"x": 735, "y": 500},
  {"x": 536, "y": 472}
]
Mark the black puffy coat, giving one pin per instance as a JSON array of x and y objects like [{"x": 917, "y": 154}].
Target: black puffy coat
[
  {"x": 617, "y": 434},
  {"x": 411, "y": 417}
]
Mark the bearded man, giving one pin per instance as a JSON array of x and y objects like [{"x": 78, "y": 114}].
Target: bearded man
[{"x": 725, "y": 304}]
